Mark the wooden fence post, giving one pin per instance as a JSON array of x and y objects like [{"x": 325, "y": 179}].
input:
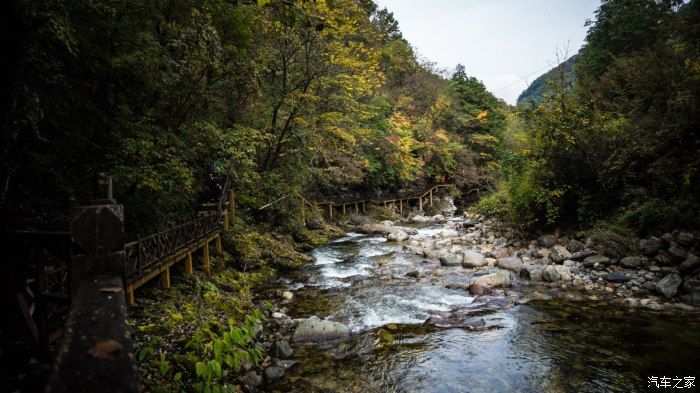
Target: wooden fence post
[
  {"x": 217, "y": 243},
  {"x": 232, "y": 206},
  {"x": 189, "y": 269},
  {"x": 205, "y": 257},
  {"x": 96, "y": 351}
]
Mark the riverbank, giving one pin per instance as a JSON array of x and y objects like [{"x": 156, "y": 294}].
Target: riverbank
[
  {"x": 206, "y": 332},
  {"x": 391, "y": 307},
  {"x": 657, "y": 274},
  {"x": 284, "y": 320}
]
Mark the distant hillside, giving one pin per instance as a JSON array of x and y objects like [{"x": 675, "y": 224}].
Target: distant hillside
[{"x": 540, "y": 87}]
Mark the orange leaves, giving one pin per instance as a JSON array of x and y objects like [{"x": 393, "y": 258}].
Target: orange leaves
[{"x": 483, "y": 116}]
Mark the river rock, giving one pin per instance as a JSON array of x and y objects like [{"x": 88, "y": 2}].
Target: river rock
[
  {"x": 616, "y": 277},
  {"x": 438, "y": 217},
  {"x": 483, "y": 284},
  {"x": 281, "y": 349},
  {"x": 513, "y": 264},
  {"x": 685, "y": 238},
  {"x": 662, "y": 258},
  {"x": 449, "y": 259},
  {"x": 559, "y": 254},
  {"x": 469, "y": 222},
  {"x": 575, "y": 246},
  {"x": 251, "y": 380},
  {"x": 532, "y": 272},
  {"x": 547, "y": 240},
  {"x": 677, "y": 253},
  {"x": 593, "y": 259},
  {"x": 668, "y": 286},
  {"x": 420, "y": 218},
  {"x": 554, "y": 273},
  {"x": 274, "y": 373},
  {"x": 397, "y": 236},
  {"x": 314, "y": 329},
  {"x": 689, "y": 264},
  {"x": 581, "y": 255},
  {"x": 286, "y": 295},
  {"x": 651, "y": 245},
  {"x": 378, "y": 229},
  {"x": 449, "y": 233},
  {"x": 631, "y": 262},
  {"x": 473, "y": 259}
]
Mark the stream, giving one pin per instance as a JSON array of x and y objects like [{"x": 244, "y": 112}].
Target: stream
[{"x": 445, "y": 340}]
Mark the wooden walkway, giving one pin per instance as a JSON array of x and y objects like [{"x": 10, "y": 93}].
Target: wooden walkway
[
  {"x": 398, "y": 203},
  {"x": 154, "y": 255}
]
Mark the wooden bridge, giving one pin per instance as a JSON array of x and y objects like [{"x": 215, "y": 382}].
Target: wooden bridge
[{"x": 91, "y": 293}]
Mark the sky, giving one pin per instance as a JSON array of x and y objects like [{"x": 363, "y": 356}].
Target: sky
[{"x": 504, "y": 43}]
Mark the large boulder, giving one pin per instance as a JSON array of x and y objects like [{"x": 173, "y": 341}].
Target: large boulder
[
  {"x": 420, "y": 218},
  {"x": 314, "y": 329},
  {"x": 532, "y": 272},
  {"x": 651, "y": 245},
  {"x": 593, "y": 259},
  {"x": 631, "y": 261},
  {"x": 677, "y": 253},
  {"x": 689, "y": 264},
  {"x": 559, "y": 254},
  {"x": 547, "y": 240},
  {"x": 564, "y": 272},
  {"x": 397, "y": 236},
  {"x": 450, "y": 259},
  {"x": 378, "y": 229},
  {"x": 575, "y": 246},
  {"x": 685, "y": 239},
  {"x": 513, "y": 264},
  {"x": 473, "y": 259},
  {"x": 553, "y": 273},
  {"x": 274, "y": 373},
  {"x": 484, "y": 284},
  {"x": 449, "y": 233},
  {"x": 668, "y": 286},
  {"x": 282, "y": 350}
]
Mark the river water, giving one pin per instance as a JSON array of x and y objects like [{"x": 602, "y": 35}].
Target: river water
[{"x": 444, "y": 340}]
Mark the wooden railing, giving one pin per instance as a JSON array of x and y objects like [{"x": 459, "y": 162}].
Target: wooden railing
[
  {"x": 96, "y": 352},
  {"x": 359, "y": 205}
]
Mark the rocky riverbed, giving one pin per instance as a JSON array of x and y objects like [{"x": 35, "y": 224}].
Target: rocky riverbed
[{"x": 457, "y": 303}]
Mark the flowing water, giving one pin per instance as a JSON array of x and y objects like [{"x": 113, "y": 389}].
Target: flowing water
[{"x": 524, "y": 340}]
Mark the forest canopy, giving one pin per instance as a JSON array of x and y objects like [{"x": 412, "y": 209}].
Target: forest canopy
[{"x": 319, "y": 97}]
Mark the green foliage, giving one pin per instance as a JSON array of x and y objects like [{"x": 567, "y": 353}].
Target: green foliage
[
  {"x": 621, "y": 144},
  {"x": 198, "y": 333}
]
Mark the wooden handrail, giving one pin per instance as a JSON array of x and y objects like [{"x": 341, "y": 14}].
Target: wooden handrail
[{"x": 393, "y": 199}]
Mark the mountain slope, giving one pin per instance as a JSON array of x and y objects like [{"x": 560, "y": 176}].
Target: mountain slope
[{"x": 541, "y": 86}]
